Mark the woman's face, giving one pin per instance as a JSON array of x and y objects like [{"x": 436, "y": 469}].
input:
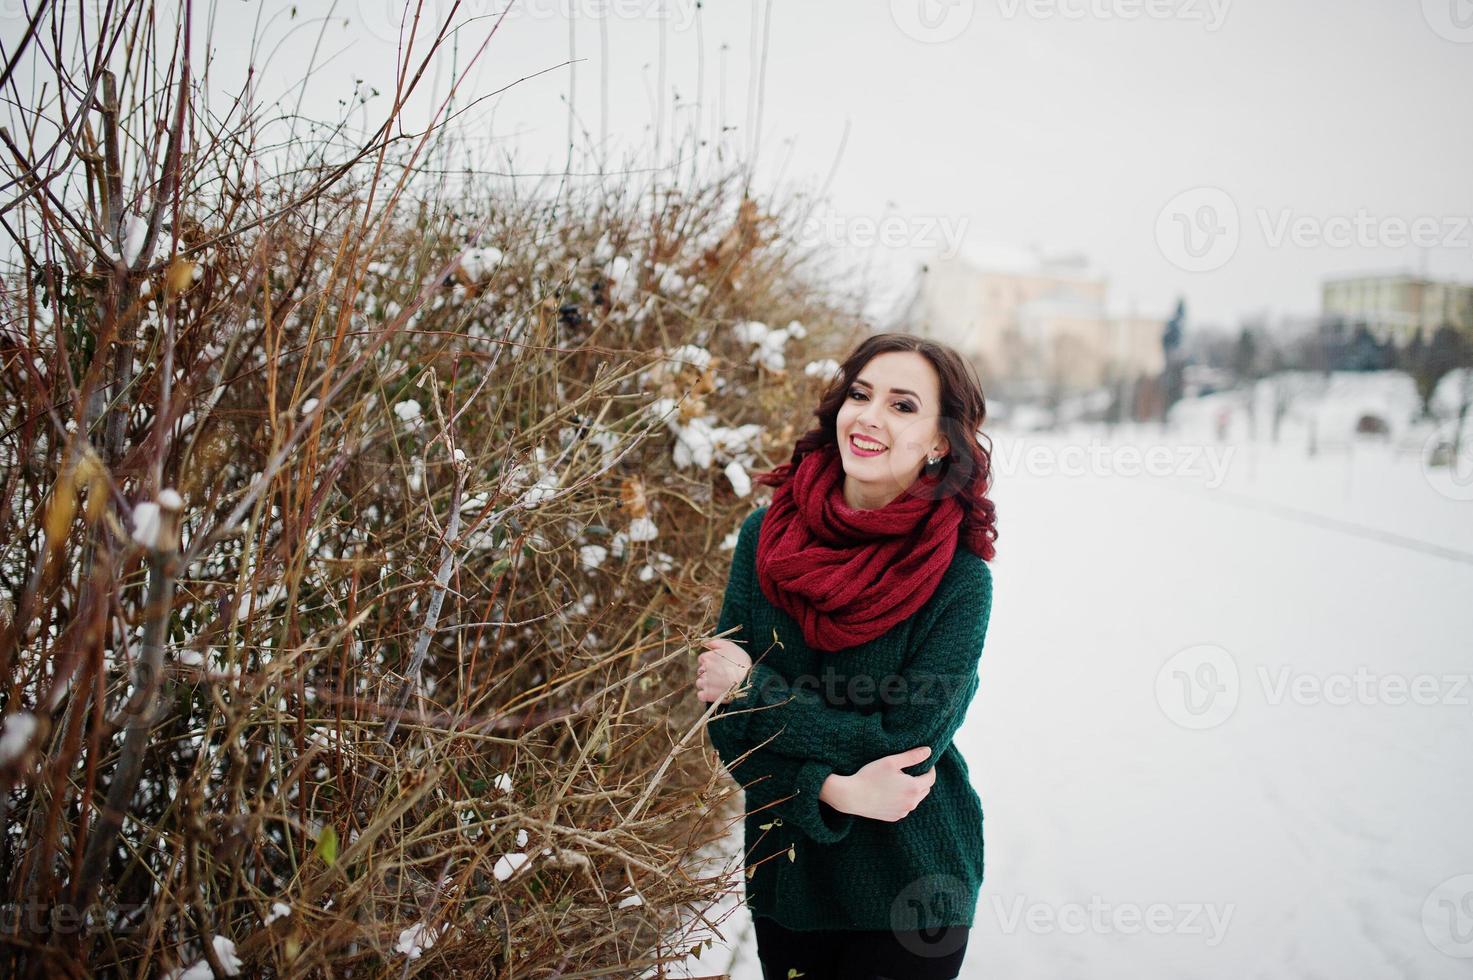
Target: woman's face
[{"x": 894, "y": 401}]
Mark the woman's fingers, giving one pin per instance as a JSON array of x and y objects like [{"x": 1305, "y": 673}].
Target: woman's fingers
[{"x": 718, "y": 669}]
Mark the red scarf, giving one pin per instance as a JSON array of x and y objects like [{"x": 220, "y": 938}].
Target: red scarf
[{"x": 847, "y": 575}]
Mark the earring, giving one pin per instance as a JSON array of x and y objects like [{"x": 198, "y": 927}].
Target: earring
[{"x": 932, "y": 460}]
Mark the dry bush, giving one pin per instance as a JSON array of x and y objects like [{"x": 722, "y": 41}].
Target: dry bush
[{"x": 356, "y": 531}]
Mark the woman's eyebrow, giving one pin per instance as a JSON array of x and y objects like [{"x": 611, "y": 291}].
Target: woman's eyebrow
[{"x": 898, "y": 391}]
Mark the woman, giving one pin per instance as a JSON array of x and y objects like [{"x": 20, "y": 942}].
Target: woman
[{"x": 863, "y": 593}]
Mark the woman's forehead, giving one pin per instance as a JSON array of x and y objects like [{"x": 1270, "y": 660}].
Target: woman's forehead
[{"x": 900, "y": 370}]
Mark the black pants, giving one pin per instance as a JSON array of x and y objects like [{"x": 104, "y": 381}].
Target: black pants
[{"x": 857, "y": 954}]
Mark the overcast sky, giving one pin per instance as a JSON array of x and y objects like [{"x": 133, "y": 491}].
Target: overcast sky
[{"x": 1234, "y": 153}]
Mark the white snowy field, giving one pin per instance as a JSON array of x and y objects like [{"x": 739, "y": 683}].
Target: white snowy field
[{"x": 1225, "y": 718}]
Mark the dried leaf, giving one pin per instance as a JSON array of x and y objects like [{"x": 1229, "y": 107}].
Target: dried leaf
[
  {"x": 327, "y": 846},
  {"x": 179, "y": 277},
  {"x": 61, "y": 509},
  {"x": 632, "y": 497}
]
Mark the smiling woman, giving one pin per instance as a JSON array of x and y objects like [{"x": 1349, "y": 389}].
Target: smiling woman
[
  {"x": 869, "y": 568},
  {"x": 884, "y": 415}
]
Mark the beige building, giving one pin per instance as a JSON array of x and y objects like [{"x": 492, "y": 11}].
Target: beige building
[
  {"x": 1026, "y": 318},
  {"x": 1396, "y": 305}
]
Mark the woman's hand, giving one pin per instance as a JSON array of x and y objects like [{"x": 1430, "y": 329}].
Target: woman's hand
[
  {"x": 723, "y": 666},
  {"x": 880, "y": 790}
]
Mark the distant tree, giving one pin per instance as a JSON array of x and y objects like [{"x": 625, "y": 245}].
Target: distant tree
[
  {"x": 1413, "y": 359},
  {"x": 1297, "y": 354},
  {"x": 1245, "y": 356},
  {"x": 1116, "y": 410},
  {"x": 1171, "y": 339},
  {"x": 1277, "y": 359},
  {"x": 1410, "y": 354},
  {"x": 1324, "y": 350},
  {"x": 1450, "y": 349},
  {"x": 1053, "y": 399},
  {"x": 1465, "y": 402},
  {"x": 1285, "y": 388},
  {"x": 1365, "y": 353}
]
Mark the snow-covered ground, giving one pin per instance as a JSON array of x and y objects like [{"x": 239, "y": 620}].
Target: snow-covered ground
[{"x": 1226, "y": 714}]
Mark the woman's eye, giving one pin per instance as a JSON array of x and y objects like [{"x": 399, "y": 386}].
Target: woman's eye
[{"x": 856, "y": 393}]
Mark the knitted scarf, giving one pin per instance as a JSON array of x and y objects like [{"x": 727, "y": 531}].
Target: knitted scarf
[{"x": 847, "y": 575}]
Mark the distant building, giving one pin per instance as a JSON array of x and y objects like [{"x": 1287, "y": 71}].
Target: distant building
[
  {"x": 1029, "y": 320},
  {"x": 1396, "y": 306}
]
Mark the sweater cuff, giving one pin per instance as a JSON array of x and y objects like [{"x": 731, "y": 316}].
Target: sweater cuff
[{"x": 819, "y": 820}]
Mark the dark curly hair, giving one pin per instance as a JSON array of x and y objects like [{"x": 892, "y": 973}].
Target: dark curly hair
[{"x": 965, "y": 471}]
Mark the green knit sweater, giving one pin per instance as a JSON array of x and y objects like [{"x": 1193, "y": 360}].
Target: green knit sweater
[{"x": 803, "y": 714}]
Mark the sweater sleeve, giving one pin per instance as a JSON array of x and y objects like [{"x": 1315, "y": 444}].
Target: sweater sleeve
[
  {"x": 775, "y": 783},
  {"x": 924, "y": 704}
]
